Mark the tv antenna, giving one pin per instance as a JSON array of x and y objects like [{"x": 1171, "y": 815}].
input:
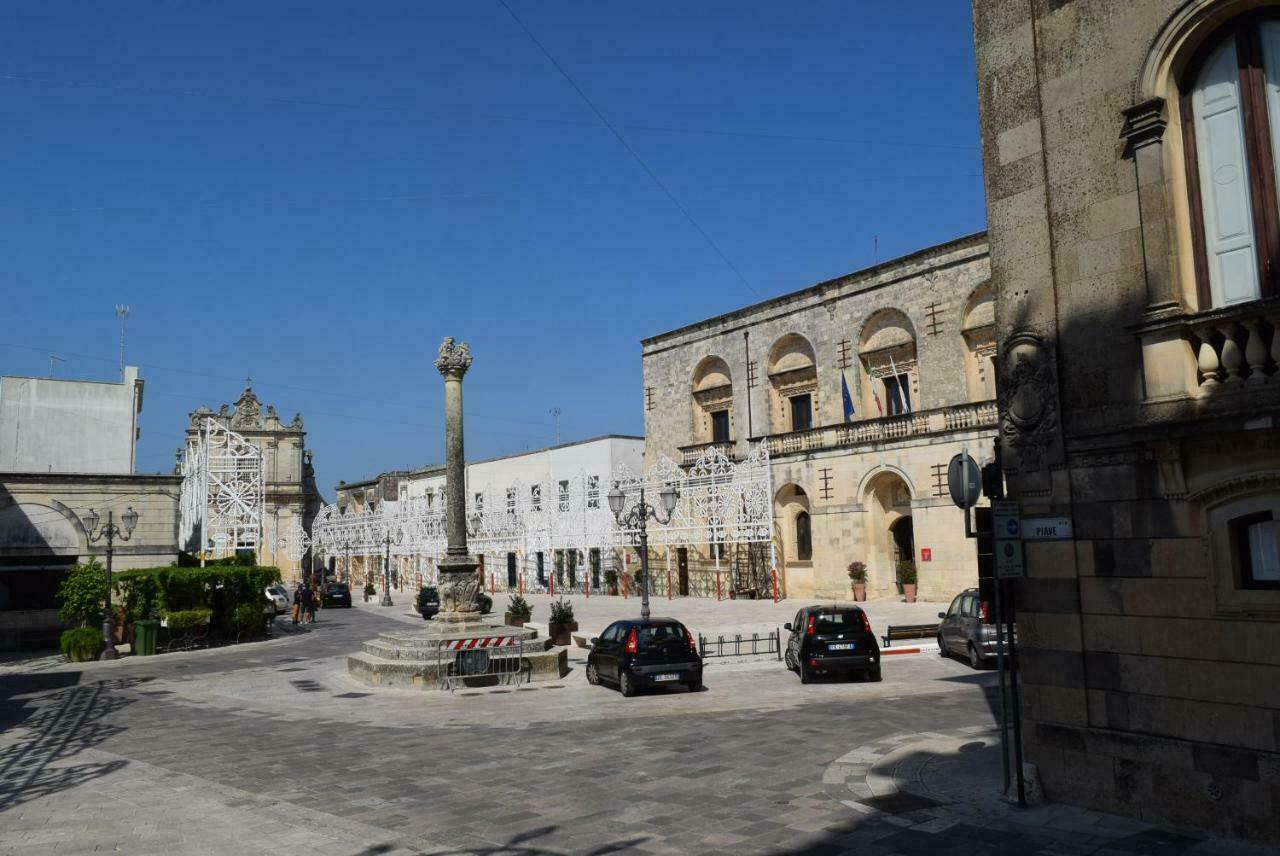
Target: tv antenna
[
  {"x": 54, "y": 358},
  {"x": 122, "y": 312},
  {"x": 555, "y": 411}
]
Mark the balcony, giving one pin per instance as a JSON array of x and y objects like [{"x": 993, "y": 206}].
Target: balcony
[
  {"x": 924, "y": 423},
  {"x": 689, "y": 455}
]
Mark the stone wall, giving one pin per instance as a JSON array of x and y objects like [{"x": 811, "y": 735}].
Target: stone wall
[{"x": 1149, "y": 670}]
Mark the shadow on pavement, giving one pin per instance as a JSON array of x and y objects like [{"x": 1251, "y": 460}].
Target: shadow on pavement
[
  {"x": 62, "y": 719},
  {"x": 522, "y": 845}
]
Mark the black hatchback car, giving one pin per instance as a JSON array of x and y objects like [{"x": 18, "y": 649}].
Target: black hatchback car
[
  {"x": 832, "y": 640},
  {"x": 638, "y": 654},
  {"x": 428, "y": 602},
  {"x": 335, "y": 594}
]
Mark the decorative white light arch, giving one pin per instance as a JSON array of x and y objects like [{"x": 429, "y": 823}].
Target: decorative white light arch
[{"x": 222, "y": 492}]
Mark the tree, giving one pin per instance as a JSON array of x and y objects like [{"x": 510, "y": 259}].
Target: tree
[{"x": 83, "y": 593}]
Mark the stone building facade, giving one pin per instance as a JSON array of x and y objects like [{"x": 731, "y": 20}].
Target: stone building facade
[
  {"x": 913, "y": 340},
  {"x": 290, "y": 494},
  {"x": 1130, "y": 160}
]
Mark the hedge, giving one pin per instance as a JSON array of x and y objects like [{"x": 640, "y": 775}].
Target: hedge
[
  {"x": 81, "y": 644},
  {"x": 218, "y": 589}
]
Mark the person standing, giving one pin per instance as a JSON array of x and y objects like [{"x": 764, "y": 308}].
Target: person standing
[
  {"x": 297, "y": 603},
  {"x": 309, "y": 603}
]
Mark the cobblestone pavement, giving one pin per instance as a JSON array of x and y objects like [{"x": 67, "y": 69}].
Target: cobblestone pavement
[{"x": 270, "y": 747}]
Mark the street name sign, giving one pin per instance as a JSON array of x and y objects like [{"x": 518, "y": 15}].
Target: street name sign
[{"x": 1046, "y": 528}]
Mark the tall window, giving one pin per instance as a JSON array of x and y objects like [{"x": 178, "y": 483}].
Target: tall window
[
  {"x": 593, "y": 491},
  {"x": 511, "y": 501},
  {"x": 720, "y": 426},
  {"x": 1255, "y": 544},
  {"x": 804, "y": 538},
  {"x": 1231, "y": 131},
  {"x": 801, "y": 412},
  {"x": 897, "y": 394},
  {"x": 535, "y": 497},
  {"x": 479, "y": 506},
  {"x": 564, "y": 495}
]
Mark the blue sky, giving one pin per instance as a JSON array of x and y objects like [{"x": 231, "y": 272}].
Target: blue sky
[{"x": 315, "y": 193}]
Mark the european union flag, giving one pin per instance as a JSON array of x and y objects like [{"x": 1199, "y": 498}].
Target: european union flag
[{"x": 848, "y": 399}]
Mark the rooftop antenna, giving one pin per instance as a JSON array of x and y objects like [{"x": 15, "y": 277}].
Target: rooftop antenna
[
  {"x": 875, "y": 251},
  {"x": 122, "y": 312},
  {"x": 52, "y": 359},
  {"x": 555, "y": 411}
]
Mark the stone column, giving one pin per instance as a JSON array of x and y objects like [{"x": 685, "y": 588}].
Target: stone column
[
  {"x": 458, "y": 580},
  {"x": 1143, "y": 133}
]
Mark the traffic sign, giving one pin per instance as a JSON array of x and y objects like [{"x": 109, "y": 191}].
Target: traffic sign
[
  {"x": 1005, "y": 523},
  {"x": 1009, "y": 560},
  {"x": 964, "y": 481}
]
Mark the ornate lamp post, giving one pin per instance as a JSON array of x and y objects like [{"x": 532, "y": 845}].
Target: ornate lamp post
[
  {"x": 111, "y": 532},
  {"x": 394, "y": 535},
  {"x": 634, "y": 520}
]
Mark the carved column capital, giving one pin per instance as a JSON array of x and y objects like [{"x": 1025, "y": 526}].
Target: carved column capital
[{"x": 453, "y": 359}]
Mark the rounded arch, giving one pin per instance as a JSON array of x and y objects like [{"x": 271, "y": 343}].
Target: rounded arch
[
  {"x": 886, "y": 494},
  {"x": 980, "y": 308},
  {"x": 1183, "y": 33},
  {"x": 978, "y": 329},
  {"x": 711, "y": 405},
  {"x": 41, "y": 528},
  {"x": 711, "y": 372},
  {"x": 864, "y": 486},
  {"x": 790, "y": 507},
  {"x": 793, "y": 384},
  {"x": 886, "y": 328},
  {"x": 791, "y": 353}
]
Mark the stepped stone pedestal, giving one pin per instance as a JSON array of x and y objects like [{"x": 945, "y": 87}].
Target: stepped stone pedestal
[{"x": 422, "y": 660}]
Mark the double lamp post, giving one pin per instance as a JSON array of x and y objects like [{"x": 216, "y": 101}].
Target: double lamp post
[
  {"x": 633, "y": 521},
  {"x": 110, "y": 532}
]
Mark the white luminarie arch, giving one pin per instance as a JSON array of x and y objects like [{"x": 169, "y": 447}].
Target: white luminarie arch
[
  {"x": 222, "y": 492},
  {"x": 720, "y": 500}
]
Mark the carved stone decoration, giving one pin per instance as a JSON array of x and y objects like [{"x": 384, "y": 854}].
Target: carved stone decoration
[
  {"x": 248, "y": 410},
  {"x": 458, "y": 595},
  {"x": 296, "y": 424},
  {"x": 1028, "y": 401},
  {"x": 453, "y": 359}
]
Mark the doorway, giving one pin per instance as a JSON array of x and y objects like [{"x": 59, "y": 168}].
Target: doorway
[
  {"x": 682, "y": 562},
  {"x": 904, "y": 544},
  {"x": 511, "y": 571}
]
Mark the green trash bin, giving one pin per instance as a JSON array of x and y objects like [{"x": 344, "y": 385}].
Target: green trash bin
[{"x": 144, "y": 637}]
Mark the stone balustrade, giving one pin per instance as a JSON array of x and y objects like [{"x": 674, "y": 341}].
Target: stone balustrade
[
  {"x": 1200, "y": 355},
  {"x": 982, "y": 414}
]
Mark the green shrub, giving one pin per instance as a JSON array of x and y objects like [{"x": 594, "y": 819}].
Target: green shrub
[
  {"x": 141, "y": 596},
  {"x": 83, "y": 593},
  {"x": 561, "y": 612},
  {"x": 81, "y": 644},
  {"x": 369, "y": 590},
  {"x": 519, "y": 608},
  {"x": 249, "y": 620},
  {"x": 185, "y": 619},
  {"x": 858, "y": 572},
  {"x": 907, "y": 572}
]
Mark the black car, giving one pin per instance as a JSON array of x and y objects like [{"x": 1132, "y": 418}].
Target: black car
[
  {"x": 636, "y": 654},
  {"x": 832, "y": 640},
  {"x": 428, "y": 602},
  {"x": 335, "y": 594}
]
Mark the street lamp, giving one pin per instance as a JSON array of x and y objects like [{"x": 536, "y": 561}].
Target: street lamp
[
  {"x": 634, "y": 521},
  {"x": 394, "y": 535},
  {"x": 111, "y": 532}
]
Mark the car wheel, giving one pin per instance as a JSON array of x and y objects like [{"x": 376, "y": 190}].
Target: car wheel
[
  {"x": 695, "y": 686},
  {"x": 806, "y": 677},
  {"x": 593, "y": 677},
  {"x": 873, "y": 675},
  {"x": 791, "y": 664},
  {"x": 942, "y": 647},
  {"x": 626, "y": 684},
  {"x": 974, "y": 660}
]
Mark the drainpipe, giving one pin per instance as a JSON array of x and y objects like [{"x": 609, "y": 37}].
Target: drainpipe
[{"x": 746, "y": 345}]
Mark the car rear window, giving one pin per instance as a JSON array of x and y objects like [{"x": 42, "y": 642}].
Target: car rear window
[
  {"x": 836, "y": 622},
  {"x": 659, "y": 633}
]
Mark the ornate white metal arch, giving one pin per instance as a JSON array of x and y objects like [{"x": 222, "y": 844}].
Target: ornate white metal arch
[{"x": 222, "y": 492}]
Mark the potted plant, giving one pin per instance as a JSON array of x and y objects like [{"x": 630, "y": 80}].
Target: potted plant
[
  {"x": 858, "y": 576},
  {"x": 518, "y": 611},
  {"x": 369, "y": 592},
  {"x": 907, "y": 577},
  {"x": 611, "y": 581},
  {"x": 562, "y": 622}
]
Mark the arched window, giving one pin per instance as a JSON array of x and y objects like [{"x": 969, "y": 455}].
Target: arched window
[
  {"x": 712, "y": 401},
  {"x": 804, "y": 538},
  {"x": 1231, "y": 131}
]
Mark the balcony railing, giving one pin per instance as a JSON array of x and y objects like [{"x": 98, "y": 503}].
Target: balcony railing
[
  {"x": 689, "y": 455},
  {"x": 982, "y": 414}
]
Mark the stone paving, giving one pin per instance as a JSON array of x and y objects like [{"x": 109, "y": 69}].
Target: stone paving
[{"x": 268, "y": 747}]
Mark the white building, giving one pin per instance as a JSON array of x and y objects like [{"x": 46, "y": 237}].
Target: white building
[
  {"x": 50, "y": 425},
  {"x": 555, "y": 479}
]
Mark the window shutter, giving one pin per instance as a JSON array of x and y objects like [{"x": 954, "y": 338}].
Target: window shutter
[{"x": 1224, "y": 180}]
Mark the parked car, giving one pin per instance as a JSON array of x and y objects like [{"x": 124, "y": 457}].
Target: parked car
[
  {"x": 279, "y": 599},
  {"x": 966, "y": 628},
  {"x": 832, "y": 640},
  {"x": 637, "y": 654},
  {"x": 428, "y": 602},
  {"x": 335, "y": 594}
]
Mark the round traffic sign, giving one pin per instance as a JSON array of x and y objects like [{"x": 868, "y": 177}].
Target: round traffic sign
[{"x": 964, "y": 481}]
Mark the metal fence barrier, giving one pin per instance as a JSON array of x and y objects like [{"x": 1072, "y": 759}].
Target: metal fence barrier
[
  {"x": 482, "y": 662},
  {"x": 741, "y": 646}
]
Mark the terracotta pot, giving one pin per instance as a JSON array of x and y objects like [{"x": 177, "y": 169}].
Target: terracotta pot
[
  {"x": 909, "y": 591},
  {"x": 512, "y": 621},
  {"x": 613, "y": 591},
  {"x": 859, "y": 591},
  {"x": 560, "y": 633}
]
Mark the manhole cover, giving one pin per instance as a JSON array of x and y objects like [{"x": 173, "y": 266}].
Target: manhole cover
[{"x": 899, "y": 802}]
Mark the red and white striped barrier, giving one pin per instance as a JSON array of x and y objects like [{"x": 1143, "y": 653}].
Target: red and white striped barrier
[{"x": 480, "y": 642}]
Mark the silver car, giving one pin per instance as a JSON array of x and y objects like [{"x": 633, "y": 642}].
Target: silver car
[{"x": 965, "y": 629}]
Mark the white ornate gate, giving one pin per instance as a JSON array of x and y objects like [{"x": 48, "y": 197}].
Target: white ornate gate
[{"x": 222, "y": 492}]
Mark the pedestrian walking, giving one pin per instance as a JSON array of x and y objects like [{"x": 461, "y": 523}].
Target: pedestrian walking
[
  {"x": 309, "y": 602},
  {"x": 297, "y": 603}
]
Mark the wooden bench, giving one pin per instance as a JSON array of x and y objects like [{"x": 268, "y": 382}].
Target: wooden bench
[{"x": 908, "y": 631}]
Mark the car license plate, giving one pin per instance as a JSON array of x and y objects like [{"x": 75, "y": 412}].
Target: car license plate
[
  {"x": 668, "y": 676},
  {"x": 841, "y": 646}
]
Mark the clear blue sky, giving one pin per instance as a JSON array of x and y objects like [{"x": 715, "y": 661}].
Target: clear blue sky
[{"x": 315, "y": 193}]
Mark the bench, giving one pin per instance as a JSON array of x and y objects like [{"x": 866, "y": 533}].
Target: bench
[{"x": 908, "y": 631}]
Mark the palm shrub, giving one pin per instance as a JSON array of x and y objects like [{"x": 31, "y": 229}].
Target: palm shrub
[
  {"x": 81, "y": 644},
  {"x": 519, "y": 608},
  {"x": 83, "y": 593}
]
